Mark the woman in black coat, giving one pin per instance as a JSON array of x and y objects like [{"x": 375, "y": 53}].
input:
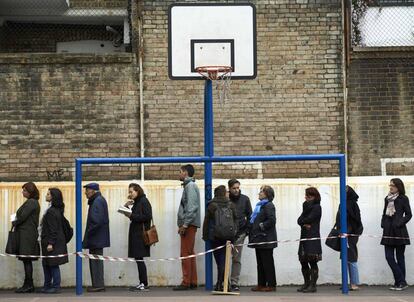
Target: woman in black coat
[
  {"x": 26, "y": 224},
  {"x": 396, "y": 214},
  {"x": 310, "y": 252},
  {"x": 53, "y": 241},
  {"x": 140, "y": 217},
  {"x": 354, "y": 223},
  {"x": 262, "y": 228}
]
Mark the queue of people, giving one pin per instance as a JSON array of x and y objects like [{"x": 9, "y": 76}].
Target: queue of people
[{"x": 229, "y": 217}]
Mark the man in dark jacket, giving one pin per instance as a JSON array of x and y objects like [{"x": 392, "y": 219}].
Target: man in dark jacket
[
  {"x": 96, "y": 234},
  {"x": 244, "y": 211}
]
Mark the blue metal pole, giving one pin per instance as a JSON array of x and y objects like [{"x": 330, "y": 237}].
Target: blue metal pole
[
  {"x": 344, "y": 227},
  {"x": 78, "y": 187},
  {"x": 208, "y": 169}
]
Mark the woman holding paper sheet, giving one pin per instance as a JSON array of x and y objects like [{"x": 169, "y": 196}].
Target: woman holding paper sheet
[{"x": 140, "y": 218}]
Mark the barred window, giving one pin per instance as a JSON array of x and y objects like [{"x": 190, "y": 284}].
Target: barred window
[{"x": 64, "y": 26}]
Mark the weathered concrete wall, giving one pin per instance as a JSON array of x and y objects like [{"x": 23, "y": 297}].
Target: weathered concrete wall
[{"x": 165, "y": 198}]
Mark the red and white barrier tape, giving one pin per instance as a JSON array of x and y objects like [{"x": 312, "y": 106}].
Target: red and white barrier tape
[{"x": 234, "y": 246}]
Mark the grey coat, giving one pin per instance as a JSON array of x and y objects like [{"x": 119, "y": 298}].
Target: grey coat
[
  {"x": 189, "y": 210},
  {"x": 26, "y": 224}
]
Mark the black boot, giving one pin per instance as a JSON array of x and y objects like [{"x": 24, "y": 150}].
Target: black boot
[
  {"x": 28, "y": 288},
  {"x": 306, "y": 278},
  {"x": 314, "y": 274},
  {"x": 220, "y": 279},
  {"x": 19, "y": 290}
]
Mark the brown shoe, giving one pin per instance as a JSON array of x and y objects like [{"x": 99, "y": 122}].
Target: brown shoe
[
  {"x": 95, "y": 289},
  {"x": 258, "y": 288},
  {"x": 269, "y": 289}
]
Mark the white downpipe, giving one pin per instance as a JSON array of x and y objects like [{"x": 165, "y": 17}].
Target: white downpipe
[
  {"x": 141, "y": 96},
  {"x": 385, "y": 161},
  {"x": 344, "y": 83}
]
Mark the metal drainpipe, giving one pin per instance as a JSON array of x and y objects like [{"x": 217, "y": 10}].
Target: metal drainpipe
[
  {"x": 141, "y": 96},
  {"x": 345, "y": 50}
]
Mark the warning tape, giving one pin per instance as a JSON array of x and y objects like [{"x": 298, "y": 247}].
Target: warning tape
[{"x": 234, "y": 246}]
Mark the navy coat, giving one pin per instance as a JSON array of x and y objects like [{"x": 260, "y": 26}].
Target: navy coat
[
  {"x": 267, "y": 216},
  {"x": 97, "y": 224}
]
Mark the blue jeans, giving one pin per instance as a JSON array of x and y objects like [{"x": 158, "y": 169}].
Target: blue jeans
[
  {"x": 353, "y": 273},
  {"x": 52, "y": 276},
  {"x": 397, "y": 267}
]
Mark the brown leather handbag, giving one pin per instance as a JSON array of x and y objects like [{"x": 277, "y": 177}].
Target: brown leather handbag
[{"x": 150, "y": 236}]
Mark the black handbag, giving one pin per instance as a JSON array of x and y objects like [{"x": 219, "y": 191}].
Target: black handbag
[
  {"x": 12, "y": 242},
  {"x": 333, "y": 240}
]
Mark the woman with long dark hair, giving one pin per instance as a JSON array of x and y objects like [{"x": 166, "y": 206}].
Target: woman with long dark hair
[
  {"x": 26, "y": 224},
  {"x": 395, "y": 216},
  {"x": 310, "y": 251},
  {"x": 140, "y": 219},
  {"x": 53, "y": 241}
]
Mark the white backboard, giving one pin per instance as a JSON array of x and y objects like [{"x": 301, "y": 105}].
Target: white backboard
[{"x": 211, "y": 34}]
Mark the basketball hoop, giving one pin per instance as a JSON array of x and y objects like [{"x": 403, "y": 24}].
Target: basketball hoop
[{"x": 222, "y": 76}]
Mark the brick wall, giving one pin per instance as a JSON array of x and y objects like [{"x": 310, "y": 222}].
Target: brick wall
[
  {"x": 294, "y": 106},
  {"x": 381, "y": 111},
  {"x": 55, "y": 108}
]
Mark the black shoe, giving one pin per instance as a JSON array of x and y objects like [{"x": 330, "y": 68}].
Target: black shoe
[
  {"x": 193, "y": 286},
  {"x": 95, "y": 289},
  {"x": 218, "y": 287},
  {"x": 52, "y": 290},
  {"x": 182, "y": 287},
  {"x": 235, "y": 288},
  {"x": 401, "y": 287}
]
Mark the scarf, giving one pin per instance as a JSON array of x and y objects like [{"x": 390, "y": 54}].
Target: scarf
[
  {"x": 390, "y": 211},
  {"x": 257, "y": 209}
]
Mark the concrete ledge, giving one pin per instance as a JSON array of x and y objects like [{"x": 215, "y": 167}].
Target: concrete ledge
[
  {"x": 59, "y": 58},
  {"x": 382, "y": 52}
]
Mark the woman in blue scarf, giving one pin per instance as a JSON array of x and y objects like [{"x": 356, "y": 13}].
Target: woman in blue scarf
[{"x": 262, "y": 228}]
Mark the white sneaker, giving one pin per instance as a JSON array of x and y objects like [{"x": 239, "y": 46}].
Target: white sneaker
[{"x": 140, "y": 288}]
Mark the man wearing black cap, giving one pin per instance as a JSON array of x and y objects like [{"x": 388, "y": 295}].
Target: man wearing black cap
[{"x": 96, "y": 234}]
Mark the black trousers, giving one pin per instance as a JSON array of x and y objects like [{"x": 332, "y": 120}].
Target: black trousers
[
  {"x": 97, "y": 269},
  {"x": 142, "y": 271},
  {"x": 266, "y": 274}
]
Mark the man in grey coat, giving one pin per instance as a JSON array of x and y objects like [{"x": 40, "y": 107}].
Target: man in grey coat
[
  {"x": 96, "y": 234},
  {"x": 188, "y": 220}
]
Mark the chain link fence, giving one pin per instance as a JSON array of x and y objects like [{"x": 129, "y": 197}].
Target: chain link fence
[
  {"x": 382, "y": 23},
  {"x": 65, "y": 26}
]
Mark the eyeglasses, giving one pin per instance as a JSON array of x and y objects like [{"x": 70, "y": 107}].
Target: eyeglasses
[{"x": 392, "y": 185}]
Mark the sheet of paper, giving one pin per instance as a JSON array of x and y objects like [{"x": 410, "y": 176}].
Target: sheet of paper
[{"x": 12, "y": 217}]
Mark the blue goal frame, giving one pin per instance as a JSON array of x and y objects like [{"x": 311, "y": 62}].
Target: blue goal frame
[{"x": 208, "y": 160}]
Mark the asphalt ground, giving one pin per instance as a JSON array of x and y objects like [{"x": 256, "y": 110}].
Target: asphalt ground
[{"x": 163, "y": 294}]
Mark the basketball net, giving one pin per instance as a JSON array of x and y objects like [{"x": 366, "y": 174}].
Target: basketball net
[{"x": 221, "y": 75}]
